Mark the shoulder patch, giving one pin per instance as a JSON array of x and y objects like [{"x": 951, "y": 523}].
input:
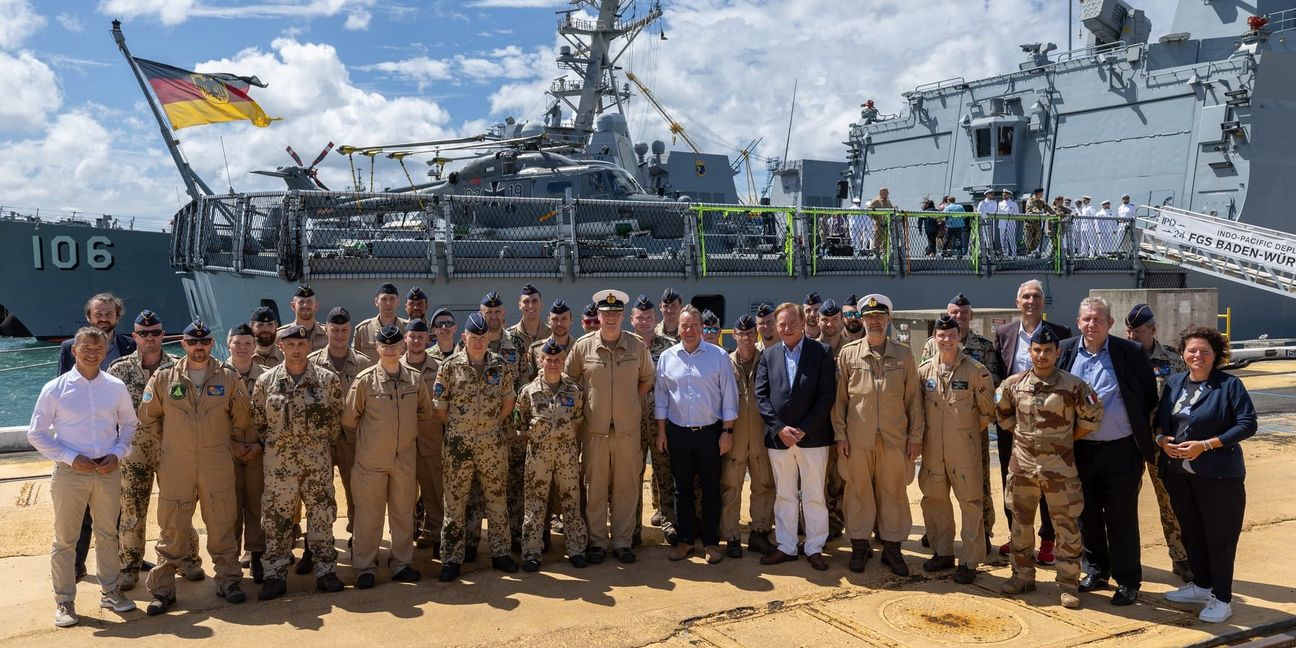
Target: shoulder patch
[
  {"x": 215, "y": 390},
  {"x": 148, "y": 396},
  {"x": 438, "y": 389},
  {"x": 177, "y": 391},
  {"x": 998, "y": 395},
  {"x": 1091, "y": 397},
  {"x": 492, "y": 376},
  {"x": 930, "y": 384}
]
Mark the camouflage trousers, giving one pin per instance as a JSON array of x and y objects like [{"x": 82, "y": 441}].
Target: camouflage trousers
[
  {"x": 136, "y": 489},
  {"x": 1034, "y": 235},
  {"x": 288, "y": 482},
  {"x": 761, "y": 506},
  {"x": 517, "y": 460},
  {"x": 834, "y": 497},
  {"x": 1065, "y": 501},
  {"x": 553, "y": 463},
  {"x": 486, "y": 462},
  {"x": 1169, "y": 523}
]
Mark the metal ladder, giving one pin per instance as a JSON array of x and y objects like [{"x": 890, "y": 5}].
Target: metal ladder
[{"x": 1246, "y": 254}]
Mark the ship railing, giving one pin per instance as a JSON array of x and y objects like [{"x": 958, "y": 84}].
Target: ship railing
[
  {"x": 744, "y": 240},
  {"x": 505, "y": 236},
  {"x": 1022, "y": 243},
  {"x": 1100, "y": 243},
  {"x": 939, "y": 242},
  {"x": 633, "y": 238},
  {"x": 1087, "y": 51},
  {"x": 849, "y": 241},
  {"x": 1280, "y": 21}
]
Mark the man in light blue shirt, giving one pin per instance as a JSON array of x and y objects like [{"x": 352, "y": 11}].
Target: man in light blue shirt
[{"x": 695, "y": 404}]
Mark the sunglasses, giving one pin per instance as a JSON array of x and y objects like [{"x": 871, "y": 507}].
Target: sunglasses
[
  {"x": 710, "y": 330},
  {"x": 154, "y": 333},
  {"x": 203, "y": 342},
  {"x": 590, "y": 320},
  {"x": 852, "y": 315},
  {"x": 444, "y": 325}
]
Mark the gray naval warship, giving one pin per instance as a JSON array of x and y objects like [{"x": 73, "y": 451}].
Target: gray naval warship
[
  {"x": 42, "y": 258},
  {"x": 1197, "y": 119}
]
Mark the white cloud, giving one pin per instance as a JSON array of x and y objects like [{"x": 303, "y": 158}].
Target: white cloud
[
  {"x": 508, "y": 63},
  {"x": 420, "y": 69},
  {"x": 70, "y": 22},
  {"x": 30, "y": 90},
  {"x": 358, "y": 20},
  {"x": 174, "y": 12},
  {"x": 513, "y": 4},
  {"x": 18, "y": 20},
  {"x": 169, "y": 12}
]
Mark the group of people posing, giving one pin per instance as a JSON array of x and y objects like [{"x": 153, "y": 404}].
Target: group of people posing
[{"x": 435, "y": 424}]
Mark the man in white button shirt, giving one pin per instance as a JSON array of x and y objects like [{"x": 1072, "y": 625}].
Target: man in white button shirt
[{"x": 84, "y": 422}]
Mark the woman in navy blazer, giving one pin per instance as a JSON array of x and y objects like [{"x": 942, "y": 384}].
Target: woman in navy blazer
[{"x": 1203, "y": 417}]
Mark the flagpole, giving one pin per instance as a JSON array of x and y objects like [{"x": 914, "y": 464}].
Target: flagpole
[{"x": 192, "y": 182}]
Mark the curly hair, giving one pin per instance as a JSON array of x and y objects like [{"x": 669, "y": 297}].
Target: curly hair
[{"x": 1212, "y": 336}]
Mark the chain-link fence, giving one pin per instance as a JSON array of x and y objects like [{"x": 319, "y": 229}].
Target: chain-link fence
[
  {"x": 619, "y": 238},
  {"x": 850, "y": 241},
  {"x": 358, "y": 234},
  {"x": 505, "y": 237},
  {"x": 737, "y": 240},
  {"x": 939, "y": 243}
]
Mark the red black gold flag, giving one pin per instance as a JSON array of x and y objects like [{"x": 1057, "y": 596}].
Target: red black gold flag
[{"x": 193, "y": 98}]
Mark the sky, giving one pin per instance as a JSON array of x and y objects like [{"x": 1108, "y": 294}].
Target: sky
[{"x": 78, "y": 135}]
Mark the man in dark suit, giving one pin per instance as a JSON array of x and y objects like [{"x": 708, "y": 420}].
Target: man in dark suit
[
  {"x": 795, "y": 387},
  {"x": 1012, "y": 343},
  {"x": 102, "y": 312},
  {"x": 1110, "y": 461}
]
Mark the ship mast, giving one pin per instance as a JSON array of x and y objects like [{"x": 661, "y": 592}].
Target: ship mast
[{"x": 591, "y": 57}]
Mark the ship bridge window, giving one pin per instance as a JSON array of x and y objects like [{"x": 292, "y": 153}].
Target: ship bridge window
[
  {"x": 982, "y": 136},
  {"x": 1005, "y": 141}
]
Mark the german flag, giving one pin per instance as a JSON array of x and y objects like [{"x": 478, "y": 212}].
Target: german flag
[{"x": 193, "y": 99}]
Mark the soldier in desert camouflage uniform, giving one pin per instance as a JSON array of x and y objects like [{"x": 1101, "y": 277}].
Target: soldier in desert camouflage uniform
[
  {"x": 1140, "y": 326},
  {"x": 138, "y": 468},
  {"x": 550, "y": 410},
  {"x": 249, "y": 473},
  {"x": 509, "y": 349},
  {"x": 296, "y": 409},
  {"x": 473, "y": 395},
  {"x": 643, "y": 319},
  {"x": 1046, "y": 409},
  {"x": 1037, "y": 208}
]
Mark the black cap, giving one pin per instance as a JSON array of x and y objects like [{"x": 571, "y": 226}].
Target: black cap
[
  {"x": 417, "y": 325},
  {"x": 147, "y": 317},
  {"x": 853, "y": 300},
  {"x": 709, "y": 318},
  {"x": 764, "y": 310},
  {"x": 813, "y": 299},
  {"x": 416, "y": 294},
  {"x": 643, "y": 303},
  {"x": 946, "y": 322},
  {"x": 669, "y": 296},
  {"x": 263, "y": 315},
  {"x": 559, "y": 307},
  {"x": 1139, "y": 315},
  {"x": 1044, "y": 335},
  {"x": 389, "y": 335},
  {"x": 304, "y": 291},
  {"x": 492, "y": 300},
  {"x": 745, "y": 323},
  {"x": 197, "y": 331},
  {"x": 960, "y": 300},
  {"x": 551, "y": 347},
  {"x": 528, "y": 289},
  {"x": 441, "y": 312},
  {"x": 293, "y": 332},
  {"x": 829, "y": 308},
  {"x": 475, "y": 324},
  {"x": 591, "y": 310},
  {"x": 241, "y": 329},
  {"x": 339, "y": 315},
  {"x": 388, "y": 289}
]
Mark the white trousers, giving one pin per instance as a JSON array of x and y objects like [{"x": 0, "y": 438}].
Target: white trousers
[{"x": 800, "y": 469}]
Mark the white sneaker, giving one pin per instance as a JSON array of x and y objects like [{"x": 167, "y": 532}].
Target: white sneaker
[
  {"x": 1216, "y": 611},
  {"x": 116, "y": 601},
  {"x": 1189, "y": 593},
  {"x": 65, "y": 615}
]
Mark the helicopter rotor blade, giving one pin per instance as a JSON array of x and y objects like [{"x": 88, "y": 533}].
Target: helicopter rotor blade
[
  {"x": 296, "y": 158},
  {"x": 322, "y": 155}
]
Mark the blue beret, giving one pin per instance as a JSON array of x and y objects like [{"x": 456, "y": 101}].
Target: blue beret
[
  {"x": 528, "y": 289},
  {"x": 241, "y": 329},
  {"x": 551, "y": 347},
  {"x": 1139, "y": 315},
  {"x": 745, "y": 323},
  {"x": 388, "y": 289},
  {"x": 1044, "y": 335},
  {"x": 304, "y": 291},
  {"x": 417, "y": 325},
  {"x": 264, "y": 315},
  {"x": 147, "y": 317},
  {"x": 960, "y": 300},
  {"x": 643, "y": 303},
  {"x": 764, "y": 310},
  {"x": 389, "y": 335},
  {"x": 339, "y": 315},
  {"x": 475, "y": 324},
  {"x": 197, "y": 331},
  {"x": 492, "y": 300},
  {"x": 829, "y": 308},
  {"x": 559, "y": 307},
  {"x": 946, "y": 322},
  {"x": 416, "y": 294},
  {"x": 294, "y": 332}
]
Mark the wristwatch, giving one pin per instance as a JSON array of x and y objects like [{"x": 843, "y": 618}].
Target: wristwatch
[{"x": 727, "y": 430}]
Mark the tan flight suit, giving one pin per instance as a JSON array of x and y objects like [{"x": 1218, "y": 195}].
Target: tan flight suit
[
  {"x": 475, "y": 449},
  {"x": 249, "y": 478},
  {"x": 431, "y": 440},
  {"x": 268, "y": 357},
  {"x": 318, "y": 336},
  {"x": 611, "y": 377},
  {"x": 748, "y": 454},
  {"x": 385, "y": 414},
  {"x": 194, "y": 425},
  {"x": 958, "y": 405},
  {"x": 879, "y": 410},
  {"x": 365, "y": 337},
  {"x": 344, "y": 444}
]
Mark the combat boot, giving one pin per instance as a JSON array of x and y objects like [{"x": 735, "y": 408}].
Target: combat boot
[
  {"x": 861, "y": 551},
  {"x": 129, "y": 578},
  {"x": 1017, "y": 585},
  {"x": 329, "y": 583},
  {"x": 307, "y": 562},
  {"x": 937, "y": 563},
  {"x": 891, "y": 557},
  {"x": 273, "y": 588},
  {"x": 258, "y": 570},
  {"x": 1070, "y": 598}
]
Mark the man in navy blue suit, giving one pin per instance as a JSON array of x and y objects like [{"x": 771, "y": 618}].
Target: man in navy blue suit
[{"x": 795, "y": 387}]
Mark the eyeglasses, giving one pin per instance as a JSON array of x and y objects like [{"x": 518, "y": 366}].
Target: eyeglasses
[
  {"x": 152, "y": 333},
  {"x": 710, "y": 330},
  {"x": 851, "y": 314},
  {"x": 443, "y": 324},
  {"x": 203, "y": 342}
]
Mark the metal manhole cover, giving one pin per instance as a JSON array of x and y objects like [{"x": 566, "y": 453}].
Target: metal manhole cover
[{"x": 952, "y": 619}]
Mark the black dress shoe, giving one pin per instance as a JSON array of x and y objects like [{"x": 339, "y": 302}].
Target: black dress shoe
[
  {"x": 273, "y": 588},
  {"x": 329, "y": 583},
  {"x": 817, "y": 561},
  {"x": 1093, "y": 582},
  {"x": 407, "y": 575},
  {"x": 306, "y": 564},
  {"x": 365, "y": 581},
  {"x": 505, "y": 564},
  {"x": 1125, "y": 596},
  {"x": 449, "y": 572}
]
